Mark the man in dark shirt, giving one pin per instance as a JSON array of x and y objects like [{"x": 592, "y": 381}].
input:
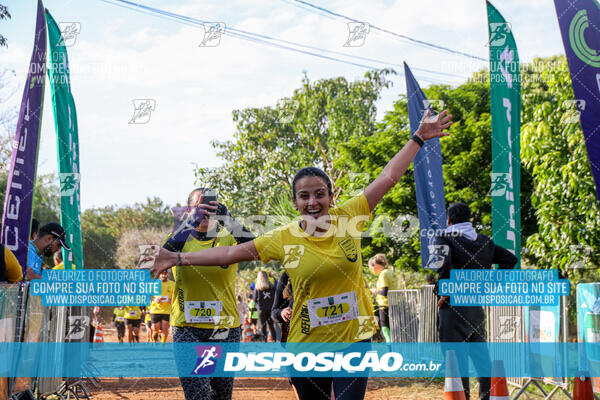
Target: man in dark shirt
[{"x": 461, "y": 247}]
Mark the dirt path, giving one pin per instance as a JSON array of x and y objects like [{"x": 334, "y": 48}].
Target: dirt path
[
  {"x": 258, "y": 388},
  {"x": 253, "y": 388}
]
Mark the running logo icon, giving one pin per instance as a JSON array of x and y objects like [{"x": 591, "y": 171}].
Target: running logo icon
[
  {"x": 500, "y": 182},
  {"x": 500, "y": 31},
  {"x": 76, "y": 327},
  {"x": 357, "y": 34},
  {"x": 68, "y": 183},
  {"x": 69, "y": 32},
  {"x": 207, "y": 356},
  {"x": 292, "y": 255},
  {"x": 142, "y": 110},
  {"x": 212, "y": 34}
]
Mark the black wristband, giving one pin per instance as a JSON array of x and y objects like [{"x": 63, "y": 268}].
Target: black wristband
[{"x": 418, "y": 140}]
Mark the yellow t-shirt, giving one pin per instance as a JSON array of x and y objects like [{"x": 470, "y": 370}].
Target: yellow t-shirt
[
  {"x": 162, "y": 304},
  {"x": 325, "y": 272},
  {"x": 200, "y": 286},
  {"x": 14, "y": 272},
  {"x": 133, "y": 312},
  {"x": 386, "y": 279},
  {"x": 119, "y": 314},
  {"x": 147, "y": 318}
]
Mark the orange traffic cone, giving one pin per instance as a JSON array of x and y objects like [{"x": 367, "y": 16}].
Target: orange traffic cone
[
  {"x": 99, "y": 334},
  {"x": 247, "y": 332},
  {"x": 453, "y": 388},
  {"x": 499, "y": 388},
  {"x": 582, "y": 388}
]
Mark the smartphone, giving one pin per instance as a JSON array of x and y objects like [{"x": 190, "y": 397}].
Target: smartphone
[{"x": 207, "y": 199}]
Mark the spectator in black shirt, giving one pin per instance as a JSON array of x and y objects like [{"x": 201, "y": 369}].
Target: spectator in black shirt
[
  {"x": 264, "y": 294},
  {"x": 461, "y": 247},
  {"x": 282, "y": 305}
]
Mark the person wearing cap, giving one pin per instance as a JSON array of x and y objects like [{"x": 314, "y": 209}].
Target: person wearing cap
[{"x": 48, "y": 241}]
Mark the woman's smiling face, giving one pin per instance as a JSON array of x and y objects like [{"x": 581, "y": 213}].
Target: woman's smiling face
[{"x": 312, "y": 197}]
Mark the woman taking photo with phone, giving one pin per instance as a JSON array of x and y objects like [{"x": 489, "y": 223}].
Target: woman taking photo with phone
[
  {"x": 203, "y": 306},
  {"x": 322, "y": 256}
]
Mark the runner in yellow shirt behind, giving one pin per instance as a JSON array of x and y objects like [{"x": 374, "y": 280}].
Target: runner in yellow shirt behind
[
  {"x": 133, "y": 317},
  {"x": 160, "y": 308},
  {"x": 387, "y": 281},
  {"x": 119, "y": 321}
]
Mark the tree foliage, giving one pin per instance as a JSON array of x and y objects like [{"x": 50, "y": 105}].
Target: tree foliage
[
  {"x": 306, "y": 129},
  {"x": 554, "y": 152}
]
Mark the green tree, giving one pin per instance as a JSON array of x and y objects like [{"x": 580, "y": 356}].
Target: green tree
[
  {"x": 103, "y": 227},
  {"x": 306, "y": 129},
  {"x": 553, "y": 150}
]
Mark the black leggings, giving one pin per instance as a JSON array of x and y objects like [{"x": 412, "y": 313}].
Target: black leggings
[
  {"x": 264, "y": 318},
  {"x": 320, "y": 388},
  {"x": 203, "y": 388}
]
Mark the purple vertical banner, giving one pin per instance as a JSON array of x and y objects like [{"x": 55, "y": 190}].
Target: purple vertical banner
[
  {"x": 579, "y": 22},
  {"x": 18, "y": 203}
]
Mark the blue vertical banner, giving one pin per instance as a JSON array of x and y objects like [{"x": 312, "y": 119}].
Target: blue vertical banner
[
  {"x": 429, "y": 179},
  {"x": 579, "y": 22}
]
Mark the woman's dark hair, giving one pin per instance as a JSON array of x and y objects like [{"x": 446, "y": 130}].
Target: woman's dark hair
[
  {"x": 311, "y": 171},
  {"x": 202, "y": 190},
  {"x": 459, "y": 212}
]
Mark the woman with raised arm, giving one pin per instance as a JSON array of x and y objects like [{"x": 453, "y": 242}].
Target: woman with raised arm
[{"x": 322, "y": 256}]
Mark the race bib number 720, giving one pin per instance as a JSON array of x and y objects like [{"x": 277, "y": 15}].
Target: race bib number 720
[{"x": 197, "y": 312}]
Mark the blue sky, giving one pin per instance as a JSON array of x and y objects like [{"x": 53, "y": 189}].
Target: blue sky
[{"x": 121, "y": 55}]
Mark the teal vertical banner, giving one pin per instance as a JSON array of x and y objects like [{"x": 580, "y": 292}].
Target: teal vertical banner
[
  {"x": 505, "y": 92},
  {"x": 67, "y": 140}
]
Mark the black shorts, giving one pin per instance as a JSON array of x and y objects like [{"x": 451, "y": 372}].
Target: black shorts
[
  {"x": 134, "y": 322},
  {"x": 156, "y": 318},
  {"x": 120, "y": 328},
  {"x": 384, "y": 319}
]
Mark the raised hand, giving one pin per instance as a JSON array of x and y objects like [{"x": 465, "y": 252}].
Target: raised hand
[{"x": 432, "y": 127}]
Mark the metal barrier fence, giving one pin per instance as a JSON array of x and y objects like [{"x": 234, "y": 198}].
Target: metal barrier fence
[
  {"x": 413, "y": 317},
  {"x": 404, "y": 308},
  {"x": 428, "y": 315},
  {"x": 9, "y": 302}
]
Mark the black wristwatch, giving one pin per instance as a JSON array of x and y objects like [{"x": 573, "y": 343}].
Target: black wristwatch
[{"x": 418, "y": 140}]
